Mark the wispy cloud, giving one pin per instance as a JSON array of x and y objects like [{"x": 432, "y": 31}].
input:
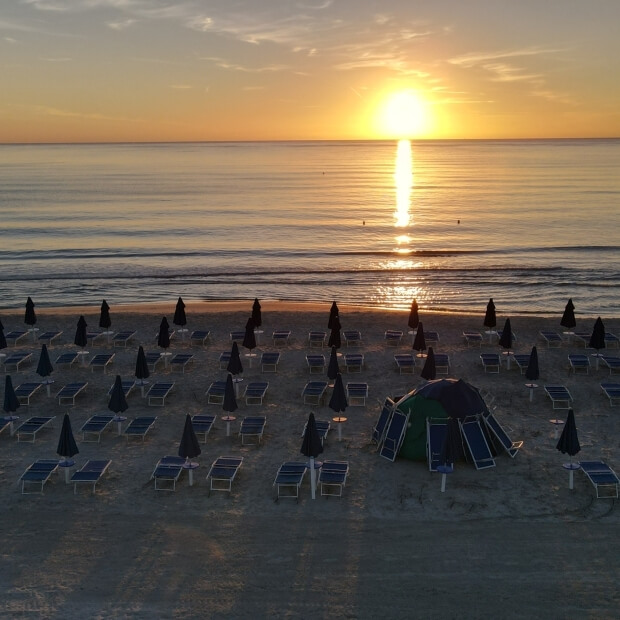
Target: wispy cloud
[
  {"x": 226, "y": 64},
  {"x": 121, "y": 25},
  {"x": 474, "y": 59},
  {"x": 58, "y": 112}
]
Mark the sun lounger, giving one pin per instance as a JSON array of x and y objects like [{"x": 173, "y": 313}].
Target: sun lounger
[
  {"x": 215, "y": 392},
  {"x": 15, "y": 360},
  {"x": 29, "y": 429},
  {"x": 322, "y": 428},
  {"x": 167, "y": 472},
  {"x": 255, "y": 392},
  {"x": 353, "y": 362},
  {"x": 288, "y": 479},
  {"x": 500, "y": 333},
  {"x": 612, "y": 362},
  {"x": 122, "y": 339},
  {"x": 126, "y": 384},
  {"x": 357, "y": 393},
  {"x": 442, "y": 363},
  {"x": 352, "y": 338},
  {"x": 223, "y": 473},
  {"x": 38, "y": 473},
  {"x": 237, "y": 335},
  {"x": 579, "y": 363},
  {"x": 559, "y": 395},
  {"x": 405, "y": 362},
  {"x": 333, "y": 477},
  {"x": 602, "y": 477},
  {"x": 224, "y": 360},
  {"x": 202, "y": 424},
  {"x": 180, "y": 361},
  {"x": 69, "y": 392},
  {"x": 476, "y": 443},
  {"x": 153, "y": 358},
  {"x": 200, "y": 336},
  {"x": 14, "y": 336},
  {"x": 5, "y": 423},
  {"x": 394, "y": 435},
  {"x": 269, "y": 362},
  {"x": 314, "y": 392},
  {"x": 94, "y": 426},
  {"x": 490, "y": 362},
  {"x": 252, "y": 426},
  {"x": 281, "y": 336},
  {"x": 101, "y": 360},
  {"x": 49, "y": 336},
  {"x": 472, "y": 338},
  {"x": 496, "y": 429},
  {"x": 522, "y": 360},
  {"x": 158, "y": 392},
  {"x": 380, "y": 427},
  {"x": 612, "y": 341},
  {"x": 612, "y": 391},
  {"x": 431, "y": 337},
  {"x": 316, "y": 363},
  {"x": 393, "y": 337},
  {"x": 553, "y": 339},
  {"x": 26, "y": 390},
  {"x": 435, "y": 437},
  {"x": 317, "y": 338},
  {"x": 66, "y": 359},
  {"x": 92, "y": 337},
  {"x": 90, "y": 473},
  {"x": 139, "y": 427}
]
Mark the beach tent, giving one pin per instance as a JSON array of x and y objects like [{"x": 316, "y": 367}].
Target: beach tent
[{"x": 439, "y": 399}]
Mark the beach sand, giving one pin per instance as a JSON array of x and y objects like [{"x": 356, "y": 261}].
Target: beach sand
[{"x": 512, "y": 541}]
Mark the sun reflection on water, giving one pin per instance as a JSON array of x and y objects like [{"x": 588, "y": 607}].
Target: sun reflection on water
[{"x": 403, "y": 181}]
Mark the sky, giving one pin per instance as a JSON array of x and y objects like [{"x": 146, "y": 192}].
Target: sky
[{"x": 196, "y": 70}]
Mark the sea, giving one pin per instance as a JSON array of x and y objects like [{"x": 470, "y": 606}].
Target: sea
[{"x": 529, "y": 223}]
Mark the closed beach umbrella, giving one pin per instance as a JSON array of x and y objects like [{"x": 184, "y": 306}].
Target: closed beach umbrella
[
  {"x": 333, "y": 312},
  {"x": 311, "y": 447},
  {"x": 332, "y": 368},
  {"x": 450, "y": 450},
  {"x": 44, "y": 367},
  {"x": 118, "y": 402},
  {"x": 569, "y": 444},
  {"x": 230, "y": 402},
  {"x": 338, "y": 401},
  {"x": 334, "y": 336},
  {"x": 11, "y": 402},
  {"x": 3, "y": 344},
  {"x": 67, "y": 448},
  {"x": 532, "y": 372},
  {"x": 234, "y": 363},
  {"x": 568, "y": 318},
  {"x": 505, "y": 340},
  {"x": 249, "y": 338},
  {"x": 81, "y": 339},
  {"x": 490, "y": 320},
  {"x": 163, "y": 337},
  {"x": 142, "y": 369},
  {"x": 256, "y": 313},
  {"x": 30, "y": 318},
  {"x": 419, "y": 342},
  {"x": 189, "y": 447},
  {"x": 429, "y": 372},
  {"x": 414, "y": 317},
  {"x": 179, "y": 314},
  {"x": 104, "y": 316}
]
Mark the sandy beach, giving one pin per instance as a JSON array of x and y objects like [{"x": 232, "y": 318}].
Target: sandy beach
[{"x": 512, "y": 541}]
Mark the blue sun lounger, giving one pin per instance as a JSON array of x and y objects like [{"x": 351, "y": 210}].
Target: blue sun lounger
[
  {"x": 472, "y": 338},
  {"x": 394, "y": 435},
  {"x": 490, "y": 362},
  {"x": 317, "y": 338},
  {"x": 38, "y": 473},
  {"x": 357, "y": 393},
  {"x": 252, "y": 426},
  {"x": 94, "y": 426},
  {"x": 316, "y": 363},
  {"x": 322, "y": 428},
  {"x": 280, "y": 336},
  {"x": 238, "y": 334},
  {"x": 139, "y": 427},
  {"x": 579, "y": 362},
  {"x": 603, "y": 478},
  {"x": 158, "y": 393},
  {"x": 353, "y": 362},
  {"x": 66, "y": 359},
  {"x": 352, "y": 337},
  {"x": 90, "y": 473},
  {"x": 101, "y": 361},
  {"x": 612, "y": 341},
  {"x": 442, "y": 363},
  {"x": 559, "y": 395},
  {"x": 16, "y": 360},
  {"x": 435, "y": 436},
  {"x": 333, "y": 477},
  {"x": 122, "y": 339},
  {"x": 255, "y": 392},
  {"x": 49, "y": 336},
  {"x": 380, "y": 427},
  {"x": 496, "y": 429},
  {"x": 224, "y": 359},
  {"x": 126, "y": 384},
  {"x": 68, "y": 393},
  {"x": 29, "y": 429},
  {"x": 180, "y": 361},
  {"x": 553, "y": 339},
  {"x": 5, "y": 423},
  {"x": 314, "y": 392},
  {"x": 612, "y": 391},
  {"x": 153, "y": 358},
  {"x": 405, "y": 362},
  {"x": 522, "y": 361},
  {"x": 288, "y": 479},
  {"x": 26, "y": 390},
  {"x": 393, "y": 337},
  {"x": 200, "y": 336},
  {"x": 202, "y": 424},
  {"x": 476, "y": 443},
  {"x": 167, "y": 471},
  {"x": 223, "y": 472},
  {"x": 215, "y": 392},
  {"x": 612, "y": 362},
  {"x": 269, "y": 361},
  {"x": 15, "y": 336}
]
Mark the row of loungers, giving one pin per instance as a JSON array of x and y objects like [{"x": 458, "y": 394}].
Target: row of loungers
[{"x": 38, "y": 474}]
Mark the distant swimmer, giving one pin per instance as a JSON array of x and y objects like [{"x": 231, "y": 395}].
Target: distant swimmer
[
  {"x": 458, "y": 221},
  {"x": 364, "y": 222}
]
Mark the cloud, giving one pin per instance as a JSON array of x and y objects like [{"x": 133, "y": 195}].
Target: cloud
[
  {"x": 225, "y": 64},
  {"x": 121, "y": 25},
  {"x": 49, "y": 111},
  {"x": 474, "y": 59}
]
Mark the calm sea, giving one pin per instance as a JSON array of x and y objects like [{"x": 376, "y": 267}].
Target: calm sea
[{"x": 529, "y": 223}]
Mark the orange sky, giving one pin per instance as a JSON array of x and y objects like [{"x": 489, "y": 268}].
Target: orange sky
[{"x": 156, "y": 70}]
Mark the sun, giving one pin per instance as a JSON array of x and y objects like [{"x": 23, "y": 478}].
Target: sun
[{"x": 404, "y": 115}]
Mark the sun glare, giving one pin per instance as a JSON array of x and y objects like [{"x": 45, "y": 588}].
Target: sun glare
[{"x": 404, "y": 115}]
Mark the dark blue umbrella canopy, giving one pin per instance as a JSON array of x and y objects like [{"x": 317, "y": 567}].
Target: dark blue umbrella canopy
[
  {"x": 568, "y": 318},
  {"x": 532, "y": 373},
  {"x": 569, "y": 441},
  {"x": 104, "y": 316},
  {"x": 235, "y": 367},
  {"x": 338, "y": 401},
  {"x": 249, "y": 339},
  {"x": 3, "y": 344},
  {"x": 333, "y": 313},
  {"x": 44, "y": 367},
  {"x": 334, "y": 336},
  {"x": 142, "y": 368},
  {"x": 332, "y": 368},
  {"x": 11, "y": 402},
  {"x": 505, "y": 340},
  {"x": 490, "y": 320},
  {"x": 257, "y": 316},
  {"x": 66, "y": 442},
  {"x": 458, "y": 398},
  {"x": 189, "y": 447},
  {"x": 311, "y": 445},
  {"x": 30, "y": 318},
  {"x": 419, "y": 342},
  {"x": 163, "y": 338},
  {"x": 597, "y": 339},
  {"x": 230, "y": 401},
  {"x": 118, "y": 402},
  {"x": 81, "y": 339},
  {"x": 451, "y": 449},
  {"x": 179, "y": 314},
  {"x": 414, "y": 317},
  {"x": 429, "y": 371}
]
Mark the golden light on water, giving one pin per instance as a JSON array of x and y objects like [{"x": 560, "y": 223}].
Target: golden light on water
[{"x": 403, "y": 184}]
